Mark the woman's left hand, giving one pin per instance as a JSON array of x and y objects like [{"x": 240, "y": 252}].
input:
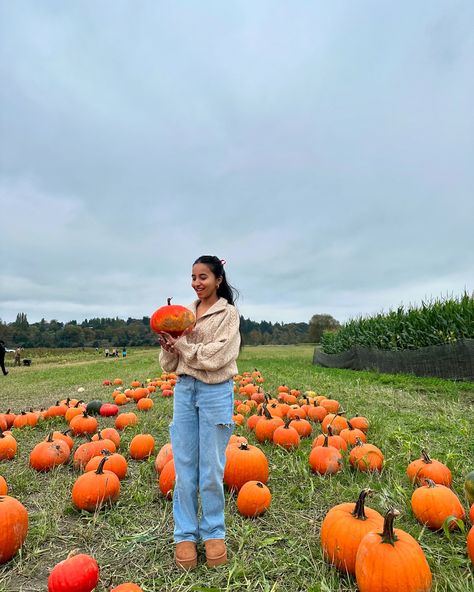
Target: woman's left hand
[{"x": 167, "y": 342}]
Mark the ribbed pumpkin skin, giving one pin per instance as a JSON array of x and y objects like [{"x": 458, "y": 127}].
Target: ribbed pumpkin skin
[
  {"x": 128, "y": 587},
  {"x": 94, "y": 489},
  {"x": 8, "y": 446},
  {"x": 79, "y": 573},
  {"x": 253, "y": 498},
  {"x": 421, "y": 469},
  {"x": 164, "y": 455},
  {"x": 342, "y": 532},
  {"x": 167, "y": 479},
  {"x": 366, "y": 457},
  {"x": 325, "y": 460},
  {"x": 398, "y": 567},
  {"x": 142, "y": 446},
  {"x": 115, "y": 463},
  {"x": 286, "y": 437},
  {"x": 13, "y": 527},
  {"x": 172, "y": 318},
  {"x": 47, "y": 455},
  {"x": 244, "y": 462},
  {"x": 433, "y": 503}
]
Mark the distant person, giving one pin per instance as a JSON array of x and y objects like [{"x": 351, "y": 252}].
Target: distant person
[
  {"x": 2, "y": 357},
  {"x": 17, "y": 358},
  {"x": 124, "y": 352},
  {"x": 106, "y": 352}
]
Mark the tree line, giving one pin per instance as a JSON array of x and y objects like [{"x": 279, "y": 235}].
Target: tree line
[{"x": 115, "y": 332}]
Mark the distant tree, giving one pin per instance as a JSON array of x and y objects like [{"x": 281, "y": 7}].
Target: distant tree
[{"x": 320, "y": 323}]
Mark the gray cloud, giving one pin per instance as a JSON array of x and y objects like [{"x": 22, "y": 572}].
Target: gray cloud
[{"x": 325, "y": 151}]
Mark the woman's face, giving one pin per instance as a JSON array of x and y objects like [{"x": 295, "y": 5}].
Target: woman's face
[{"x": 204, "y": 282}]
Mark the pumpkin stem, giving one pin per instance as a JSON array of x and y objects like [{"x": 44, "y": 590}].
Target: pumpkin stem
[
  {"x": 430, "y": 482},
  {"x": 50, "y": 437},
  {"x": 425, "y": 456},
  {"x": 326, "y": 440},
  {"x": 358, "y": 442},
  {"x": 359, "y": 508},
  {"x": 243, "y": 446},
  {"x": 388, "y": 535},
  {"x": 267, "y": 413},
  {"x": 349, "y": 425},
  {"x": 330, "y": 430},
  {"x": 169, "y": 300},
  {"x": 100, "y": 468}
]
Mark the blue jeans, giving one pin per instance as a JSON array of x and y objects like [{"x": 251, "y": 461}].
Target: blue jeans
[{"x": 200, "y": 431}]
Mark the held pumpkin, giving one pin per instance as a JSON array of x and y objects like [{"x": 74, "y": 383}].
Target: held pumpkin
[
  {"x": 392, "y": 561},
  {"x": 13, "y": 527},
  {"x": 173, "y": 319},
  {"x": 79, "y": 573}
]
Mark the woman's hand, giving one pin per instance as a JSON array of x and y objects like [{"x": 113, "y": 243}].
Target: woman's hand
[{"x": 167, "y": 342}]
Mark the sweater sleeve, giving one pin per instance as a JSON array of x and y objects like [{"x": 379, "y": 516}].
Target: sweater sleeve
[
  {"x": 222, "y": 350},
  {"x": 168, "y": 361}
]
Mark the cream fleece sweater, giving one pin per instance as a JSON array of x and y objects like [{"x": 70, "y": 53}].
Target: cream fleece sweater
[{"x": 210, "y": 351}]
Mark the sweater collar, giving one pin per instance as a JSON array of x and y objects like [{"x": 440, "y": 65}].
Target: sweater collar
[{"x": 221, "y": 304}]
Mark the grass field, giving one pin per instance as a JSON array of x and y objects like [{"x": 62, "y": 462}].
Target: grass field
[{"x": 279, "y": 551}]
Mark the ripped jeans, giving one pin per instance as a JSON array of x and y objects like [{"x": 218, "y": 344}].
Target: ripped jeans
[{"x": 200, "y": 431}]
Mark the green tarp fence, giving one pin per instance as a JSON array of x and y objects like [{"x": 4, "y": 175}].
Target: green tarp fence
[{"x": 454, "y": 361}]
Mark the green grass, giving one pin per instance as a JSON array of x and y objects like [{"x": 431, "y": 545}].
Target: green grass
[{"x": 279, "y": 551}]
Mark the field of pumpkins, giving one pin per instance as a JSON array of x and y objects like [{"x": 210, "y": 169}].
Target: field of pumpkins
[{"x": 313, "y": 494}]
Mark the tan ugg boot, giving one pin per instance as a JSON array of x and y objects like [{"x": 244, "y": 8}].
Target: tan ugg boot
[
  {"x": 186, "y": 555},
  {"x": 216, "y": 552}
]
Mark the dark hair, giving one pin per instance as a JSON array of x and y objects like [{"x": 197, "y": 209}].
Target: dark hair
[{"x": 225, "y": 290}]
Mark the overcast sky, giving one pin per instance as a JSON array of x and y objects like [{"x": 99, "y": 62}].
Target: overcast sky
[{"x": 324, "y": 149}]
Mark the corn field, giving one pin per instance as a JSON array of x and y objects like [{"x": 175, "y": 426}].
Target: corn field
[{"x": 438, "y": 322}]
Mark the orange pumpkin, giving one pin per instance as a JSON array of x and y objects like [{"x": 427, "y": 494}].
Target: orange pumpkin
[
  {"x": 124, "y": 420},
  {"x": 427, "y": 468},
  {"x": 164, "y": 455},
  {"x": 94, "y": 489},
  {"x": 254, "y": 498},
  {"x": 325, "y": 459},
  {"x": 3, "y": 486},
  {"x": 49, "y": 454},
  {"x": 13, "y": 527},
  {"x": 167, "y": 479},
  {"x": 244, "y": 462},
  {"x": 343, "y": 527},
  {"x": 173, "y": 319},
  {"x": 8, "y": 446},
  {"x": 114, "y": 462},
  {"x": 366, "y": 457},
  {"x": 392, "y": 561},
  {"x": 433, "y": 503},
  {"x": 141, "y": 446}
]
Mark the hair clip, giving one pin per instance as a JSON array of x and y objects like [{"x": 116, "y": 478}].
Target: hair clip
[{"x": 223, "y": 261}]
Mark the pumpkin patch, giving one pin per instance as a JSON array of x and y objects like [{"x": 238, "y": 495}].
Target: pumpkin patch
[{"x": 117, "y": 478}]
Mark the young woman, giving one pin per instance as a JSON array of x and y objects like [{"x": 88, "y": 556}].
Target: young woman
[{"x": 205, "y": 362}]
